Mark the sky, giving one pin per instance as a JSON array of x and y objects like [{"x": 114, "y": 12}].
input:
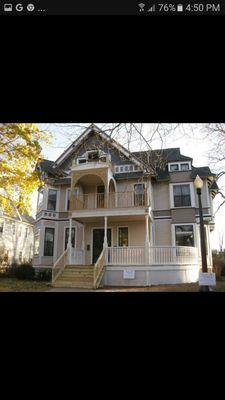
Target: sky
[{"x": 189, "y": 137}]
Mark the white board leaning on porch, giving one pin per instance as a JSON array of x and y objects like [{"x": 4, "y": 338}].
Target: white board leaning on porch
[
  {"x": 128, "y": 274},
  {"x": 207, "y": 279}
]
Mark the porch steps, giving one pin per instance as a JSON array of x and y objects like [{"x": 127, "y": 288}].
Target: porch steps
[{"x": 76, "y": 276}]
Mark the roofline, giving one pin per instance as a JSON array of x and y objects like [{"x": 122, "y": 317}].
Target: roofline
[{"x": 95, "y": 128}]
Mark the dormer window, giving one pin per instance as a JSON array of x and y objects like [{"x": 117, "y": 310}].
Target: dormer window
[
  {"x": 179, "y": 166},
  {"x": 174, "y": 167}
]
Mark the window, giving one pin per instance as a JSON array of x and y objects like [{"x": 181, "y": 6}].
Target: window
[
  {"x": 139, "y": 194},
  {"x": 26, "y": 233},
  {"x": 20, "y": 256},
  {"x": 49, "y": 242},
  {"x": 179, "y": 166},
  {"x": 184, "y": 235},
  {"x": 184, "y": 167},
  {"x": 52, "y": 197},
  {"x": 72, "y": 237},
  {"x": 174, "y": 167},
  {"x": 123, "y": 237},
  {"x": 181, "y": 195},
  {"x": 1, "y": 228},
  {"x": 68, "y": 199},
  {"x": 36, "y": 242},
  {"x": 40, "y": 200}
]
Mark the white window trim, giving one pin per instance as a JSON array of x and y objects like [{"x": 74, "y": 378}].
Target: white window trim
[
  {"x": 173, "y": 234},
  {"x": 192, "y": 193},
  {"x": 54, "y": 242},
  {"x": 57, "y": 199},
  {"x": 179, "y": 166},
  {"x": 37, "y": 234},
  {"x": 121, "y": 168}
]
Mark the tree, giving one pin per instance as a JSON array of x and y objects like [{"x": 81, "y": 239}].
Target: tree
[{"x": 20, "y": 150}]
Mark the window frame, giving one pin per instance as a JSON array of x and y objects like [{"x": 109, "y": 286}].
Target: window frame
[
  {"x": 192, "y": 194},
  {"x": 128, "y": 235},
  {"x": 57, "y": 199},
  {"x": 49, "y": 227},
  {"x": 173, "y": 228},
  {"x": 37, "y": 234},
  {"x": 179, "y": 163}
]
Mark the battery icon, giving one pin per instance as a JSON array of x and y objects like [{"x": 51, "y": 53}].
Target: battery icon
[{"x": 180, "y": 7}]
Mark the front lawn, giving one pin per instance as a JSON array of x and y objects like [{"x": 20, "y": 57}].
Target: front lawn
[{"x": 18, "y": 285}]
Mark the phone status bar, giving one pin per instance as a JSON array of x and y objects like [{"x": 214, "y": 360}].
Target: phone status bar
[{"x": 116, "y": 7}]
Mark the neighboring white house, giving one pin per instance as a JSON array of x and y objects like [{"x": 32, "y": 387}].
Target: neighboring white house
[
  {"x": 16, "y": 239},
  {"x": 103, "y": 217}
]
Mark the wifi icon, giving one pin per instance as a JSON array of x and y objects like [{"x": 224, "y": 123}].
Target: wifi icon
[{"x": 142, "y": 6}]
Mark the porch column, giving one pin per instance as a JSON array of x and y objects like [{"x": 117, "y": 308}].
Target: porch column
[
  {"x": 105, "y": 243},
  {"x": 147, "y": 243},
  {"x": 83, "y": 245},
  {"x": 69, "y": 242}
]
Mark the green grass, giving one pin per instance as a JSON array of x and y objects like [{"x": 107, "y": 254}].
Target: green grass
[{"x": 17, "y": 285}]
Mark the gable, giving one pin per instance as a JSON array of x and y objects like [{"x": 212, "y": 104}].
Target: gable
[{"x": 96, "y": 141}]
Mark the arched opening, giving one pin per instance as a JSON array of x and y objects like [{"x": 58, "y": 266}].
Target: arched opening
[
  {"x": 90, "y": 192},
  {"x": 112, "y": 193}
]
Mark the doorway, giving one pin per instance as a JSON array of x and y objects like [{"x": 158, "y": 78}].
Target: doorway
[{"x": 97, "y": 242}]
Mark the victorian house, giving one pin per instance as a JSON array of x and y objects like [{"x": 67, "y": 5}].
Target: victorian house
[{"x": 104, "y": 217}]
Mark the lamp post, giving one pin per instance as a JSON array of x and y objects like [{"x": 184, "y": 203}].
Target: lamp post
[{"x": 198, "y": 183}]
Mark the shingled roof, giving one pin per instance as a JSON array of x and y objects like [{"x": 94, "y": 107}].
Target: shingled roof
[
  {"x": 169, "y": 155},
  {"x": 51, "y": 169}
]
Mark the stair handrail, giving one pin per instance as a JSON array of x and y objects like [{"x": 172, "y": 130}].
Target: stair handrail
[
  {"x": 59, "y": 268},
  {"x": 98, "y": 268}
]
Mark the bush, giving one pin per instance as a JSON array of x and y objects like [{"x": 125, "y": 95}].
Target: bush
[
  {"x": 44, "y": 275},
  {"x": 219, "y": 265},
  {"x": 23, "y": 271}
]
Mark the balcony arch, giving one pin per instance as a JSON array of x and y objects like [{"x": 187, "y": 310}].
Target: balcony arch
[{"x": 89, "y": 191}]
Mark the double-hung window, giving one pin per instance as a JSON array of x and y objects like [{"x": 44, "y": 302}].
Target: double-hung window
[
  {"x": 181, "y": 195},
  {"x": 49, "y": 242},
  {"x": 52, "y": 198}
]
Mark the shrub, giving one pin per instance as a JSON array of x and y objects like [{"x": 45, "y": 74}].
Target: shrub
[
  {"x": 23, "y": 271},
  {"x": 219, "y": 265},
  {"x": 44, "y": 275}
]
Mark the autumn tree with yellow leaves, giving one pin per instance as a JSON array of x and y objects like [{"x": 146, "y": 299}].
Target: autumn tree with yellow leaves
[{"x": 20, "y": 150}]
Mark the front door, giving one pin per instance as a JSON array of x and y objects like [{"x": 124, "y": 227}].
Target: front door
[{"x": 98, "y": 239}]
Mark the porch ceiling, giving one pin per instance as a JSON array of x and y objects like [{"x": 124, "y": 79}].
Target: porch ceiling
[{"x": 115, "y": 218}]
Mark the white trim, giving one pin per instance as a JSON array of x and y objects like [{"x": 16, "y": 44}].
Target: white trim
[
  {"x": 192, "y": 194},
  {"x": 173, "y": 235},
  {"x": 92, "y": 229},
  {"x": 57, "y": 199},
  {"x": 54, "y": 247},
  {"x": 179, "y": 166}
]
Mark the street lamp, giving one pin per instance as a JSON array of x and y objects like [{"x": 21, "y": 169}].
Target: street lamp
[{"x": 198, "y": 183}]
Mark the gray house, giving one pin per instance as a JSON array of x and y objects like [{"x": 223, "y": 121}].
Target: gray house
[{"x": 106, "y": 216}]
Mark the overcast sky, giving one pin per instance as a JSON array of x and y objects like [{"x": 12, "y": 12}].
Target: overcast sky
[{"x": 188, "y": 137}]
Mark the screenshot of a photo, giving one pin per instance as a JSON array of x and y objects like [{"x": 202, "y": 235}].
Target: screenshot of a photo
[{"x": 112, "y": 207}]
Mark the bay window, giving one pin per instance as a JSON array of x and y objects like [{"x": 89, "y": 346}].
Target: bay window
[
  {"x": 184, "y": 235},
  {"x": 52, "y": 198},
  {"x": 49, "y": 242},
  {"x": 182, "y": 195}
]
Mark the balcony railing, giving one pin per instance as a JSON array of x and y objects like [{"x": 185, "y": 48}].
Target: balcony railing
[{"x": 110, "y": 200}]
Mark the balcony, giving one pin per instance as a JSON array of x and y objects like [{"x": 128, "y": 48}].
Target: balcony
[{"x": 113, "y": 200}]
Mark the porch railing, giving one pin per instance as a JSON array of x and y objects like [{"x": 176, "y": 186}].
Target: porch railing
[
  {"x": 126, "y": 255},
  {"x": 60, "y": 264},
  {"x": 90, "y": 201},
  {"x": 99, "y": 267},
  {"x": 156, "y": 255}
]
